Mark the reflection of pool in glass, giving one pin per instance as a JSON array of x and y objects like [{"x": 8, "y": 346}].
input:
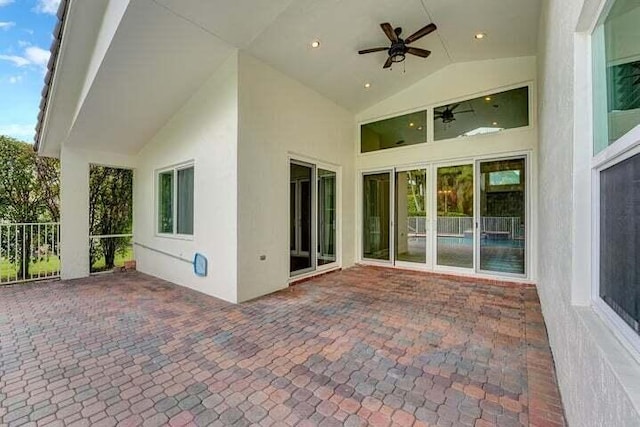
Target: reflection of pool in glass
[
  {"x": 455, "y": 251},
  {"x": 502, "y": 255}
]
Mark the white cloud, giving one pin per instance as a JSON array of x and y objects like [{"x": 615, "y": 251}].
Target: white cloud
[
  {"x": 33, "y": 55},
  {"x": 23, "y": 43},
  {"x": 18, "y": 131},
  {"x": 18, "y": 61},
  {"x": 5, "y": 2},
  {"x": 15, "y": 79},
  {"x": 6, "y": 25},
  {"x": 37, "y": 56},
  {"x": 47, "y": 6}
]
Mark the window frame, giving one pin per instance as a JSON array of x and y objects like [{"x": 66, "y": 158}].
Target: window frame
[
  {"x": 174, "y": 207},
  {"x": 615, "y": 152},
  {"x": 429, "y": 108}
]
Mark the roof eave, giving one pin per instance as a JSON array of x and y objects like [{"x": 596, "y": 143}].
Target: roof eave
[{"x": 52, "y": 66}]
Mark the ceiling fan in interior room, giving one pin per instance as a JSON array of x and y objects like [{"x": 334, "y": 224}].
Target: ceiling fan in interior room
[
  {"x": 399, "y": 46},
  {"x": 448, "y": 115}
]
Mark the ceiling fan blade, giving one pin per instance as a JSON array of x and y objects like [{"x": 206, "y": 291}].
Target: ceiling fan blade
[
  {"x": 465, "y": 111},
  {"x": 453, "y": 107},
  {"x": 422, "y": 53},
  {"x": 375, "y": 49},
  {"x": 388, "y": 63},
  {"x": 388, "y": 30},
  {"x": 420, "y": 33}
]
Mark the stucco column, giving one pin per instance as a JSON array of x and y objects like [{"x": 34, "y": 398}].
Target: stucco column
[{"x": 74, "y": 214}]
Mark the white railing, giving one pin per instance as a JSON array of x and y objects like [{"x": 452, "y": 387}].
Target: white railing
[
  {"x": 454, "y": 226},
  {"x": 29, "y": 251},
  {"x": 510, "y": 227}
]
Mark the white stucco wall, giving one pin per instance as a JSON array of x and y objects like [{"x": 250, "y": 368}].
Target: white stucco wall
[
  {"x": 281, "y": 117},
  {"x": 591, "y": 364},
  {"x": 205, "y": 131}
]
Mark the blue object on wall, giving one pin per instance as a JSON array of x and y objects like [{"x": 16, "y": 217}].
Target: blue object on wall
[{"x": 200, "y": 265}]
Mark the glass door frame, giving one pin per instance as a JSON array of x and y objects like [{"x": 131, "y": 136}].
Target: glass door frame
[
  {"x": 312, "y": 237},
  {"x": 315, "y": 165},
  {"x": 428, "y": 264},
  {"x": 338, "y": 212},
  {"x": 391, "y": 173},
  {"x": 432, "y": 207},
  {"x": 527, "y": 212},
  {"x": 434, "y": 216}
]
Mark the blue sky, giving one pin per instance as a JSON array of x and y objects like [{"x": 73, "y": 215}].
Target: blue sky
[{"x": 25, "y": 36}]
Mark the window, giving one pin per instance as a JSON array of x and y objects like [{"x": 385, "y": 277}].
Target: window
[
  {"x": 617, "y": 73},
  {"x": 409, "y": 129},
  {"x": 620, "y": 239},
  {"x": 616, "y": 100},
  {"x": 485, "y": 114},
  {"x": 508, "y": 177},
  {"x": 175, "y": 201}
]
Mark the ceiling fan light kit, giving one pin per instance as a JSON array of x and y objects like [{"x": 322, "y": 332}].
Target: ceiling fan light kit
[{"x": 399, "y": 47}]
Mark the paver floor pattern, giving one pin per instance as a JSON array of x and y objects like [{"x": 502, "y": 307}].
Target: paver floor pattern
[{"x": 362, "y": 346}]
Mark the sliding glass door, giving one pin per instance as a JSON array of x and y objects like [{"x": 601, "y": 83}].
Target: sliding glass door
[
  {"x": 301, "y": 218},
  {"x": 411, "y": 216},
  {"x": 313, "y": 223},
  {"x": 464, "y": 216},
  {"x": 376, "y": 220},
  {"x": 502, "y": 209},
  {"x": 455, "y": 210},
  {"x": 327, "y": 220}
]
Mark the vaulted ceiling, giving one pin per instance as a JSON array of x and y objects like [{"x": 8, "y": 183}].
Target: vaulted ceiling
[
  {"x": 181, "y": 42},
  {"x": 279, "y": 32}
]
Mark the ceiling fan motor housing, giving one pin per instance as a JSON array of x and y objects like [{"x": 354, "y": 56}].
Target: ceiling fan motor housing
[{"x": 397, "y": 51}]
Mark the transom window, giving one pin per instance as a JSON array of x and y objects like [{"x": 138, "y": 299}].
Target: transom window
[
  {"x": 484, "y": 114},
  {"x": 401, "y": 131},
  {"x": 175, "y": 200}
]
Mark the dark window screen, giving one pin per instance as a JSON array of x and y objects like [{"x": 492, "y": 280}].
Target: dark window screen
[{"x": 620, "y": 239}]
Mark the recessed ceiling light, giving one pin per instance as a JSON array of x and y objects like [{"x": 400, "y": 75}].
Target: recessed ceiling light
[
  {"x": 419, "y": 127},
  {"x": 411, "y": 124},
  {"x": 367, "y": 85},
  {"x": 488, "y": 98},
  {"x": 315, "y": 44},
  {"x": 495, "y": 123},
  {"x": 480, "y": 36}
]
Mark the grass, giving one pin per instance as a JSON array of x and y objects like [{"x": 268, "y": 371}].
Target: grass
[
  {"x": 120, "y": 258},
  {"x": 51, "y": 267},
  {"x": 43, "y": 268}
]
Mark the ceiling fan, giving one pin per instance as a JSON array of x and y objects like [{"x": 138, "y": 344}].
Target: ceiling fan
[
  {"x": 398, "y": 49},
  {"x": 448, "y": 115}
]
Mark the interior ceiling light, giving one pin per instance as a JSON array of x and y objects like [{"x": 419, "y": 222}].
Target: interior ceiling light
[
  {"x": 411, "y": 124},
  {"x": 367, "y": 85},
  {"x": 480, "y": 36},
  {"x": 315, "y": 44},
  {"x": 488, "y": 98},
  {"x": 494, "y": 123},
  {"x": 419, "y": 127}
]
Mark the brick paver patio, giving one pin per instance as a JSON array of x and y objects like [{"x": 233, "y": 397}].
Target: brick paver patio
[{"x": 365, "y": 345}]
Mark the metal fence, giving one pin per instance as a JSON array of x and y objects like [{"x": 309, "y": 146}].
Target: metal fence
[
  {"x": 510, "y": 227},
  {"x": 29, "y": 251}
]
